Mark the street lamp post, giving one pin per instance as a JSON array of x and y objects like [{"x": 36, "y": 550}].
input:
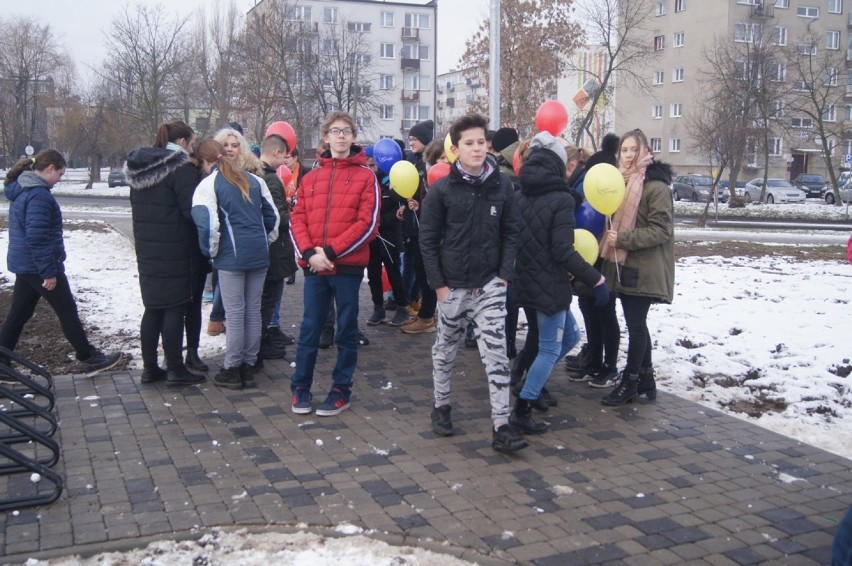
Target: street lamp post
[{"x": 494, "y": 67}]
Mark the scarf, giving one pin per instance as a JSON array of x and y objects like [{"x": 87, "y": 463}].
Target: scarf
[
  {"x": 292, "y": 187},
  {"x": 469, "y": 177},
  {"x": 624, "y": 218}
]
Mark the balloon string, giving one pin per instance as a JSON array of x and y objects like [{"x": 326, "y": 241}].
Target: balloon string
[
  {"x": 386, "y": 243},
  {"x": 614, "y": 249}
]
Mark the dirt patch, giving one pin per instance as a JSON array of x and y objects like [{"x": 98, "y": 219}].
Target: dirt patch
[
  {"x": 750, "y": 249},
  {"x": 756, "y": 407}
]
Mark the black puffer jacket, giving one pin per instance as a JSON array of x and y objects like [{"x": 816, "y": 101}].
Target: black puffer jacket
[
  {"x": 546, "y": 254},
  {"x": 469, "y": 232},
  {"x": 162, "y": 182},
  {"x": 282, "y": 258}
]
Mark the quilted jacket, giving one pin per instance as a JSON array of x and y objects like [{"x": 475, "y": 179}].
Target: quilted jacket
[
  {"x": 546, "y": 255},
  {"x": 338, "y": 210}
]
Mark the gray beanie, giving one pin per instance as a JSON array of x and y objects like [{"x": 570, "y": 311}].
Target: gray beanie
[{"x": 549, "y": 141}]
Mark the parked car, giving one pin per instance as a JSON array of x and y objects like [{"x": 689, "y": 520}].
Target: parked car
[
  {"x": 697, "y": 188},
  {"x": 116, "y": 177},
  {"x": 738, "y": 190},
  {"x": 777, "y": 191},
  {"x": 813, "y": 185},
  {"x": 845, "y": 192}
]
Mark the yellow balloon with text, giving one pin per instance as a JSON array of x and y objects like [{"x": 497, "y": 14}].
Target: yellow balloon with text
[
  {"x": 604, "y": 188},
  {"x": 586, "y": 245},
  {"x": 448, "y": 151},
  {"x": 404, "y": 179}
]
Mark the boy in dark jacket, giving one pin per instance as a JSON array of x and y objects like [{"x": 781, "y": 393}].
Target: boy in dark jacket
[{"x": 468, "y": 239}]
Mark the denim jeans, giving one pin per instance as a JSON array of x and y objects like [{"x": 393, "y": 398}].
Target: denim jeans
[
  {"x": 557, "y": 334},
  {"x": 319, "y": 290}
]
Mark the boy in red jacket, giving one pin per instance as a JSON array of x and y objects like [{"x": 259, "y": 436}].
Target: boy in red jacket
[{"x": 335, "y": 219}]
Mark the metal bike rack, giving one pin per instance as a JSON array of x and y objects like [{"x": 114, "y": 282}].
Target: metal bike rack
[{"x": 29, "y": 421}]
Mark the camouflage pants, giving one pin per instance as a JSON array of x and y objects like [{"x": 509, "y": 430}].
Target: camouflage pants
[{"x": 487, "y": 307}]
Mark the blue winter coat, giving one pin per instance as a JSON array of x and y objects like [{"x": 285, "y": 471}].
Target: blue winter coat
[
  {"x": 35, "y": 228},
  {"x": 234, "y": 232}
]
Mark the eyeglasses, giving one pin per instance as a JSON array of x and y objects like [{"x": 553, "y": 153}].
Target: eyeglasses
[{"x": 337, "y": 131}]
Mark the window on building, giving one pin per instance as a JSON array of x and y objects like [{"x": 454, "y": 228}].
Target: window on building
[
  {"x": 386, "y": 111},
  {"x": 674, "y": 145},
  {"x": 329, "y": 46},
  {"x": 414, "y": 52},
  {"x": 779, "y": 35},
  {"x": 420, "y": 21},
  {"x": 386, "y": 82},
  {"x": 832, "y": 40},
  {"x": 782, "y": 3},
  {"x": 659, "y": 76},
  {"x": 777, "y": 110},
  {"x": 807, "y": 11},
  {"x": 676, "y": 110},
  {"x": 679, "y": 39},
  {"x": 806, "y": 49},
  {"x": 425, "y": 83},
  {"x": 657, "y": 111},
  {"x": 749, "y": 2},
  {"x": 677, "y": 75},
  {"x": 835, "y": 6},
  {"x": 751, "y": 151},
  {"x": 297, "y": 13},
  {"x": 776, "y": 146},
  {"x": 801, "y": 122},
  {"x": 830, "y": 78},
  {"x": 779, "y": 72},
  {"x": 656, "y": 145},
  {"x": 661, "y": 7},
  {"x": 361, "y": 27},
  {"x": 747, "y": 32},
  {"x": 829, "y": 114},
  {"x": 680, "y": 5},
  {"x": 329, "y": 15},
  {"x": 387, "y": 19},
  {"x": 659, "y": 43},
  {"x": 801, "y": 85},
  {"x": 386, "y": 51}
]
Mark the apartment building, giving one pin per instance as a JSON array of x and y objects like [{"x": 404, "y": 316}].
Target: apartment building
[
  {"x": 458, "y": 93},
  {"x": 683, "y": 30},
  {"x": 577, "y": 90},
  {"x": 401, "y": 61}
]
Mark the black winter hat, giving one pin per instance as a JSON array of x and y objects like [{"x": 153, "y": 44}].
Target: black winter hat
[
  {"x": 503, "y": 138},
  {"x": 606, "y": 154},
  {"x": 236, "y": 126},
  {"x": 423, "y": 131}
]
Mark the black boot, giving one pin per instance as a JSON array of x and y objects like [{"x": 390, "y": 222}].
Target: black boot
[
  {"x": 507, "y": 439},
  {"x": 516, "y": 377},
  {"x": 511, "y": 350},
  {"x": 153, "y": 374},
  {"x": 179, "y": 377},
  {"x": 647, "y": 385},
  {"x": 470, "y": 337},
  {"x": 521, "y": 418},
  {"x": 271, "y": 350},
  {"x": 193, "y": 361},
  {"x": 547, "y": 397},
  {"x": 625, "y": 392}
]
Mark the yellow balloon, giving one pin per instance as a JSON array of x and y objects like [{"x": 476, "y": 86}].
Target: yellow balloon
[
  {"x": 448, "y": 144},
  {"x": 404, "y": 179},
  {"x": 586, "y": 245},
  {"x": 604, "y": 188}
]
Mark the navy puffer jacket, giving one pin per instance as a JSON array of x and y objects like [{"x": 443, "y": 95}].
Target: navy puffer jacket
[
  {"x": 35, "y": 228},
  {"x": 546, "y": 255}
]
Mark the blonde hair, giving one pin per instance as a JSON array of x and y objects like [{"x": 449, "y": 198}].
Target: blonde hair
[
  {"x": 213, "y": 151},
  {"x": 246, "y": 160},
  {"x": 575, "y": 153}
]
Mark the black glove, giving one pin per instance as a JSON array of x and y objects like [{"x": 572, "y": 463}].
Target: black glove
[{"x": 601, "y": 294}]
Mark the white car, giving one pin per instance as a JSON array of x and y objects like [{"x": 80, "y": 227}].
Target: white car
[
  {"x": 777, "y": 191},
  {"x": 845, "y": 194}
]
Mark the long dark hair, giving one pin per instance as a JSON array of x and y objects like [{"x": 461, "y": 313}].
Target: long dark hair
[
  {"x": 214, "y": 152},
  {"x": 40, "y": 162},
  {"x": 172, "y": 132}
]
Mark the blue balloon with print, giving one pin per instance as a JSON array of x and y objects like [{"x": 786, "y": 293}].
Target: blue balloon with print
[
  {"x": 369, "y": 151},
  {"x": 590, "y": 219},
  {"x": 386, "y": 152}
]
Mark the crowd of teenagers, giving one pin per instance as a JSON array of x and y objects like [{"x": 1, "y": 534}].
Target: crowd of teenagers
[{"x": 461, "y": 256}]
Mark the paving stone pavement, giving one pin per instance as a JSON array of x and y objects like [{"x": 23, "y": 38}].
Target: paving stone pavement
[{"x": 663, "y": 482}]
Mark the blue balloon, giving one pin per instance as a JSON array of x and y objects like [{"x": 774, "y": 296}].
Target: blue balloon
[
  {"x": 369, "y": 151},
  {"x": 386, "y": 152},
  {"x": 590, "y": 219}
]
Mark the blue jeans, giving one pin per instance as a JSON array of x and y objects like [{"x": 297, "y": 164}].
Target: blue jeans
[
  {"x": 319, "y": 290},
  {"x": 557, "y": 334}
]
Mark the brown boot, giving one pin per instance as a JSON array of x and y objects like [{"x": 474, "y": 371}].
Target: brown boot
[{"x": 215, "y": 327}]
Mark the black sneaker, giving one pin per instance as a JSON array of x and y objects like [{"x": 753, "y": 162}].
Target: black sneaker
[
  {"x": 290, "y": 280},
  {"x": 606, "y": 376},
  {"x": 153, "y": 375},
  {"x": 181, "y": 376},
  {"x": 470, "y": 337},
  {"x": 247, "y": 373},
  {"x": 279, "y": 338},
  {"x": 98, "y": 361},
  {"x": 377, "y": 317},
  {"x": 229, "y": 377},
  {"x": 399, "y": 318},
  {"x": 574, "y": 364},
  {"x": 507, "y": 439},
  {"x": 269, "y": 350},
  {"x": 584, "y": 374},
  {"x": 547, "y": 397},
  {"x": 327, "y": 337},
  {"x": 390, "y": 305},
  {"x": 362, "y": 338},
  {"x": 442, "y": 424}
]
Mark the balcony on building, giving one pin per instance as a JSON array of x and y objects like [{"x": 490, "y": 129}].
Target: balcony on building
[
  {"x": 763, "y": 10},
  {"x": 451, "y": 103},
  {"x": 410, "y": 95},
  {"x": 410, "y": 34},
  {"x": 410, "y": 64}
]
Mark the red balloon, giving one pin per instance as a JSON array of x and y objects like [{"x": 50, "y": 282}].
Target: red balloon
[
  {"x": 516, "y": 162},
  {"x": 285, "y": 175},
  {"x": 551, "y": 116},
  {"x": 438, "y": 171},
  {"x": 284, "y": 130},
  {"x": 386, "y": 286}
]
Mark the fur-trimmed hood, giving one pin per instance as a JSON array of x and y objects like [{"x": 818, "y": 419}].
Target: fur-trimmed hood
[
  {"x": 148, "y": 166},
  {"x": 659, "y": 171}
]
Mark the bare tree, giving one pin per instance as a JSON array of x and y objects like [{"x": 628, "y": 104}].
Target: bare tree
[
  {"x": 146, "y": 50},
  {"x": 30, "y": 59},
  {"x": 535, "y": 37},
  {"x": 218, "y": 34},
  {"x": 817, "y": 97},
  {"x": 619, "y": 31}
]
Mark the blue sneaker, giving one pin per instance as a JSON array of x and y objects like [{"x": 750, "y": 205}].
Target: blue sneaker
[
  {"x": 336, "y": 402},
  {"x": 301, "y": 403}
]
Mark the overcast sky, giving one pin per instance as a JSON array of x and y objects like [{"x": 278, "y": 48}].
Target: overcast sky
[{"x": 80, "y": 24}]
